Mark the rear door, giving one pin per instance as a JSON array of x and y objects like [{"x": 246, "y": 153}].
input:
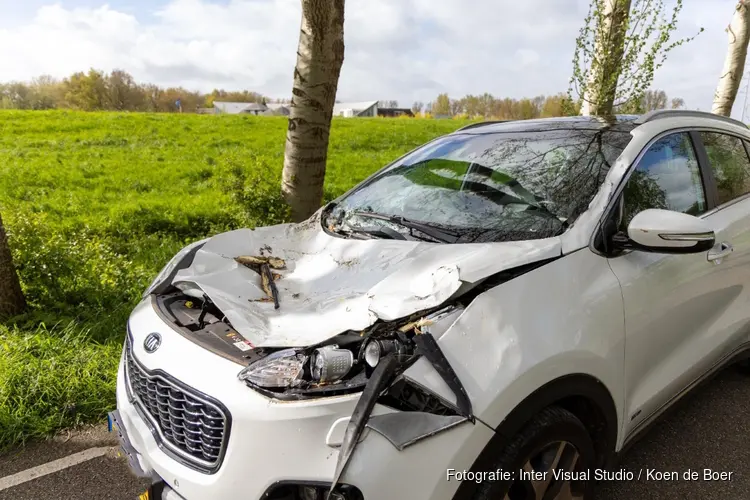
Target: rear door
[{"x": 729, "y": 170}]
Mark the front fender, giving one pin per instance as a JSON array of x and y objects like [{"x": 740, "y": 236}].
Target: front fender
[{"x": 561, "y": 319}]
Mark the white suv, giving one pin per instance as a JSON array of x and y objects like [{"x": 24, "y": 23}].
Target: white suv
[{"x": 494, "y": 315}]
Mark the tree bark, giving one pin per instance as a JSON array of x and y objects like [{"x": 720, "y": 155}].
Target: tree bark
[
  {"x": 734, "y": 63},
  {"x": 599, "y": 98},
  {"x": 11, "y": 297},
  {"x": 320, "y": 55}
]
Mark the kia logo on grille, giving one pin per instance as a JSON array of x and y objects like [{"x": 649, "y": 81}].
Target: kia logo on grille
[{"x": 152, "y": 342}]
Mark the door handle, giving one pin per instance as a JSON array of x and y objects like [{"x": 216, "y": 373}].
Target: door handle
[{"x": 719, "y": 252}]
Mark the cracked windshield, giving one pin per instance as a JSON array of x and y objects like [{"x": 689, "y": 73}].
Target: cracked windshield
[{"x": 484, "y": 187}]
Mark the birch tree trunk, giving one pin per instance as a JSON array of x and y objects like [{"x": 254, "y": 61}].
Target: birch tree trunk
[
  {"x": 11, "y": 297},
  {"x": 319, "y": 58},
  {"x": 601, "y": 90},
  {"x": 734, "y": 64}
]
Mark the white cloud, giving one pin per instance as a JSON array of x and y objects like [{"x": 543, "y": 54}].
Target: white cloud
[
  {"x": 527, "y": 57},
  {"x": 395, "y": 49}
]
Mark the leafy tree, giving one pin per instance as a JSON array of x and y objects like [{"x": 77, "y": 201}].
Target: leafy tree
[
  {"x": 222, "y": 95},
  {"x": 650, "y": 101},
  {"x": 654, "y": 99},
  {"x": 442, "y": 105},
  {"x": 46, "y": 92},
  {"x": 320, "y": 55},
  {"x": 116, "y": 91},
  {"x": 486, "y": 106},
  {"x": 16, "y": 95},
  {"x": 151, "y": 96},
  {"x": 557, "y": 105},
  {"x": 456, "y": 107},
  {"x": 527, "y": 109},
  {"x": 620, "y": 46},
  {"x": 123, "y": 93},
  {"x": 87, "y": 91}
]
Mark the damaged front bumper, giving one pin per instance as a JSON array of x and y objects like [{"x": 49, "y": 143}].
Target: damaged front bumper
[
  {"x": 404, "y": 428},
  {"x": 158, "y": 489},
  {"x": 274, "y": 442},
  {"x": 114, "y": 422}
]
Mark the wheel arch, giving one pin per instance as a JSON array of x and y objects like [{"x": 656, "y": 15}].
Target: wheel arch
[{"x": 583, "y": 395}]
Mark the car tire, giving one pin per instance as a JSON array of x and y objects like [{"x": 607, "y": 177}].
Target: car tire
[
  {"x": 743, "y": 366},
  {"x": 554, "y": 436}
]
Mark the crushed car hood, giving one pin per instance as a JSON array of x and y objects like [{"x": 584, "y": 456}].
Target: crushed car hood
[{"x": 333, "y": 284}]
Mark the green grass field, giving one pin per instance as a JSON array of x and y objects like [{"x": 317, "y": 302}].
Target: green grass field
[{"x": 96, "y": 203}]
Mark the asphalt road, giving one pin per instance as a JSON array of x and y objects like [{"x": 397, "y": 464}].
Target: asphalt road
[{"x": 707, "y": 430}]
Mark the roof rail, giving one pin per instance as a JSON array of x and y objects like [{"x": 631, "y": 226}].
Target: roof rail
[
  {"x": 672, "y": 113},
  {"x": 482, "y": 124}
]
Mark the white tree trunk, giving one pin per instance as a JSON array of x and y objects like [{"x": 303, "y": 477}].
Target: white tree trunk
[
  {"x": 319, "y": 58},
  {"x": 605, "y": 69},
  {"x": 734, "y": 63}
]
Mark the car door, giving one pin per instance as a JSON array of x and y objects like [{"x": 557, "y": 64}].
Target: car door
[
  {"x": 677, "y": 307},
  {"x": 729, "y": 170}
]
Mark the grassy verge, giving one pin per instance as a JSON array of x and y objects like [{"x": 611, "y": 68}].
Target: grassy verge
[
  {"x": 96, "y": 203},
  {"x": 52, "y": 378}
]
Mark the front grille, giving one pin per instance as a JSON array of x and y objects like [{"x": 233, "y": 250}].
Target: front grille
[{"x": 189, "y": 425}]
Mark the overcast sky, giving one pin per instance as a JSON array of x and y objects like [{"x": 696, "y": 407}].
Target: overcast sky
[{"x": 406, "y": 50}]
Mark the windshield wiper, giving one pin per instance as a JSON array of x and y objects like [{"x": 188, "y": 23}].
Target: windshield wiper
[
  {"x": 374, "y": 232},
  {"x": 441, "y": 235}
]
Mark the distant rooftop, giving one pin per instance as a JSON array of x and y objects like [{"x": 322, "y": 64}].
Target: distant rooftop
[
  {"x": 356, "y": 106},
  {"x": 238, "y": 107}
]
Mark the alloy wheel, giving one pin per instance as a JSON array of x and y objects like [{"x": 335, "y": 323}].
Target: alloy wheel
[{"x": 539, "y": 481}]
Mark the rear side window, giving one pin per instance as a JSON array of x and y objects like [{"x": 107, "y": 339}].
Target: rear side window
[
  {"x": 729, "y": 163},
  {"x": 667, "y": 177}
]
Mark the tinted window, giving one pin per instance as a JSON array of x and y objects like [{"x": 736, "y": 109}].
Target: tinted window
[
  {"x": 729, "y": 163},
  {"x": 493, "y": 186},
  {"x": 667, "y": 177}
]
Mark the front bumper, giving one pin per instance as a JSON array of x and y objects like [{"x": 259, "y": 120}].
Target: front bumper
[
  {"x": 273, "y": 442},
  {"x": 133, "y": 457}
]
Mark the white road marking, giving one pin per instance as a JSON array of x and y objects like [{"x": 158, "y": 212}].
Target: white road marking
[{"x": 52, "y": 467}]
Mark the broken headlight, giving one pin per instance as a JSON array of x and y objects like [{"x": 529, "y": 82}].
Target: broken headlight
[
  {"x": 330, "y": 364},
  {"x": 376, "y": 349},
  {"x": 280, "y": 369},
  {"x": 345, "y": 363}
]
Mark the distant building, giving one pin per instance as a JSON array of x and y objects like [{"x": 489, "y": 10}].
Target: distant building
[
  {"x": 239, "y": 108},
  {"x": 352, "y": 109},
  {"x": 346, "y": 109},
  {"x": 276, "y": 109},
  {"x": 395, "y": 112},
  {"x": 247, "y": 108}
]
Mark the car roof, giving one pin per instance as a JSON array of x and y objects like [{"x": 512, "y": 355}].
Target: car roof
[
  {"x": 624, "y": 123},
  {"x": 620, "y": 123}
]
